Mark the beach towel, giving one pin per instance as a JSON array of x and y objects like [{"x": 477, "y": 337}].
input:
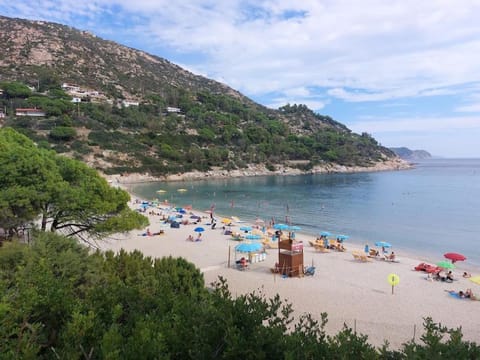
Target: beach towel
[{"x": 456, "y": 296}]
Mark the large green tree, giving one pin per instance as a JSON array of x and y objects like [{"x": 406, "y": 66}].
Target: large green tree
[{"x": 65, "y": 193}]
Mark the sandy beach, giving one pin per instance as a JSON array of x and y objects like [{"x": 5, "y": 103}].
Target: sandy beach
[{"x": 352, "y": 292}]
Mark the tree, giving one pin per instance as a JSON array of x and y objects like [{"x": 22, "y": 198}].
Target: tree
[
  {"x": 27, "y": 180},
  {"x": 63, "y": 133},
  {"x": 66, "y": 193},
  {"x": 15, "y": 90}
]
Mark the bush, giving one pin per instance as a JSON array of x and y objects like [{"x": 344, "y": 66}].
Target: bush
[{"x": 62, "y": 133}]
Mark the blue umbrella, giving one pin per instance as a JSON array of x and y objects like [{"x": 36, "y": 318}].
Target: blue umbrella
[
  {"x": 253, "y": 237},
  {"x": 383, "y": 244},
  {"x": 248, "y": 247},
  {"x": 281, "y": 226},
  {"x": 325, "y": 233},
  {"x": 246, "y": 228},
  {"x": 199, "y": 229},
  {"x": 342, "y": 237}
]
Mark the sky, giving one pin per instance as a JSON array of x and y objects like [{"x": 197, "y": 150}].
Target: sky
[{"x": 406, "y": 72}]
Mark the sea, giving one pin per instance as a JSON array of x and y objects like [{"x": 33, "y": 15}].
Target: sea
[{"x": 426, "y": 211}]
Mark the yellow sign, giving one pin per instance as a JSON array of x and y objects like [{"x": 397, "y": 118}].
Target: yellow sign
[{"x": 393, "y": 279}]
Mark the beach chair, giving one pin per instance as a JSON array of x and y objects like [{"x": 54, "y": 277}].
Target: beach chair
[
  {"x": 360, "y": 256},
  {"x": 321, "y": 248}
]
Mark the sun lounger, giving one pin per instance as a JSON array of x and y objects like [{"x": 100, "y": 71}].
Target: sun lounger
[
  {"x": 360, "y": 256},
  {"x": 321, "y": 248}
]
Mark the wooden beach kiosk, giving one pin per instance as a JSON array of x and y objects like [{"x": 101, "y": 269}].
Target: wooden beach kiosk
[{"x": 290, "y": 257}]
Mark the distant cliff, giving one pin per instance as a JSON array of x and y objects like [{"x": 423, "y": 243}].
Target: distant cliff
[{"x": 407, "y": 154}]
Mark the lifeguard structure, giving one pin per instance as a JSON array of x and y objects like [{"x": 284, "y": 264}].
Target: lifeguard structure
[{"x": 290, "y": 257}]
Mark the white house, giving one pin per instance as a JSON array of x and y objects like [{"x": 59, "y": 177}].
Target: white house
[
  {"x": 29, "y": 112},
  {"x": 171, "y": 109},
  {"x": 128, "y": 103}
]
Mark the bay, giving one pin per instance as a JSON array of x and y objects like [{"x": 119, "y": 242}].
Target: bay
[{"x": 427, "y": 211}]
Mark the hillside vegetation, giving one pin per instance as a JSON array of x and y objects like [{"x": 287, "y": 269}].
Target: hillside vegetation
[{"x": 215, "y": 127}]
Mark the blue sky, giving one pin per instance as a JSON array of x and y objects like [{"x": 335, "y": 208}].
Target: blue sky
[{"x": 407, "y": 72}]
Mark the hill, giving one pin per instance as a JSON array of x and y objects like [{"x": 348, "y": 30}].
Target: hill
[
  {"x": 407, "y": 154},
  {"x": 124, "y": 110}
]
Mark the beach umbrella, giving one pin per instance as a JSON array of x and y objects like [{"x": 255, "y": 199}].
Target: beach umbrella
[
  {"x": 445, "y": 265},
  {"x": 383, "y": 244},
  {"x": 454, "y": 257},
  {"x": 281, "y": 226},
  {"x": 199, "y": 229},
  {"x": 253, "y": 237},
  {"x": 249, "y": 247},
  {"x": 342, "y": 237},
  {"x": 475, "y": 279},
  {"x": 246, "y": 228},
  {"x": 325, "y": 233},
  {"x": 226, "y": 221}
]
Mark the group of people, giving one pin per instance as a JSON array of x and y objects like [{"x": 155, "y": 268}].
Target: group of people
[
  {"x": 198, "y": 238},
  {"x": 439, "y": 277},
  {"x": 337, "y": 245},
  {"x": 467, "y": 294},
  {"x": 376, "y": 254}
]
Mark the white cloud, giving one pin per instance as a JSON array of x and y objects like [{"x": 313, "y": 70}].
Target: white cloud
[
  {"x": 389, "y": 49},
  {"x": 416, "y": 124},
  {"x": 469, "y": 108},
  {"x": 447, "y": 136}
]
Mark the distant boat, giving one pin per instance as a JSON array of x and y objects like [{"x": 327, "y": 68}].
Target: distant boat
[
  {"x": 182, "y": 190},
  {"x": 161, "y": 191}
]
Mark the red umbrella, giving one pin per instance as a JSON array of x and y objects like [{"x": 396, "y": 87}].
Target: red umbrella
[{"x": 455, "y": 257}]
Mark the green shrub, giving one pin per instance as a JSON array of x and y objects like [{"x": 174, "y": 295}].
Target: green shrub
[{"x": 62, "y": 133}]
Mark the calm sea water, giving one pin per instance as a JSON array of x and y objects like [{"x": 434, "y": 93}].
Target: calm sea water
[{"x": 430, "y": 210}]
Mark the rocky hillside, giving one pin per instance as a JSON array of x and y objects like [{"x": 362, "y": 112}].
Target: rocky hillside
[
  {"x": 411, "y": 155},
  {"x": 147, "y": 114}
]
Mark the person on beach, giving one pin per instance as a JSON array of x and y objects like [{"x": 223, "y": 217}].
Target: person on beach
[
  {"x": 190, "y": 237},
  {"x": 199, "y": 238},
  {"x": 390, "y": 257},
  {"x": 468, "y": 294},
  {"x": 367, "y": 249},
  {"x": 449, "y": 277},
  {"x": 466, "y": 274},
  {"x": 149, "y": 233}
]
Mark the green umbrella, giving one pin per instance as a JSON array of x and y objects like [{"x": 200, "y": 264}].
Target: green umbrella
[{"x": 446, "y": 265}]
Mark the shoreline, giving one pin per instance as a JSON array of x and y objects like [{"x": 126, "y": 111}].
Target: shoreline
[
  {"x": 395, "y": 164},
  {"x": 351, "y": 292}
]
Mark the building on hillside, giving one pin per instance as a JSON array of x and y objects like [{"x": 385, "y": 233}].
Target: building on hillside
[
  {"x": 29, "y": 112},
  {"x": 128, "y": 103},
  {"x": 76, "y": 99},
  {"x": 70, "y": 87},
  {"x": 171, "y": 109}
]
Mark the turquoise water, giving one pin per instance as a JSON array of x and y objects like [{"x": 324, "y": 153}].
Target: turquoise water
[{"x": 429, "y": 210}]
